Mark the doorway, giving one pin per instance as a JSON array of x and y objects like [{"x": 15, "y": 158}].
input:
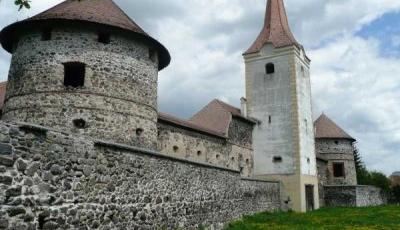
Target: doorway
[{"x": 310, "y": 198}]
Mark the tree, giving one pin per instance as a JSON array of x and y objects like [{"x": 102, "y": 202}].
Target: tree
[
  {"x": 23, "y": 4},
  {"x": 396, "y": 194},
  {"x": 362, "y": 172}
]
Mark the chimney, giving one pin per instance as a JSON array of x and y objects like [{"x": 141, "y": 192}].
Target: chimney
[{"x": 243, "y": 107}]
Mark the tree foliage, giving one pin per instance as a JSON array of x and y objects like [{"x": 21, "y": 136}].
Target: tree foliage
[
  {"x": 23, "y": 4},
  {"x": 366, "y": 177},
  {"x": 396, "y": 194}
]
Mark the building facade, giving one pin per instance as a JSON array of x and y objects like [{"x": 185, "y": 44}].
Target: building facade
[{"x": 89, "y": 70}]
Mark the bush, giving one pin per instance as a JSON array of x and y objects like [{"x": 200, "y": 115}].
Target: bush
[{"x": 395, "y": 195}]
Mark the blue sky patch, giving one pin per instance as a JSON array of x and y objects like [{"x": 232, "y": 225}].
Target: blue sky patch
[{"x": 386, "y": 29}]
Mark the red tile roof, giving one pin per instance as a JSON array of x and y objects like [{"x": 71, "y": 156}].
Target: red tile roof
[
  {"x": 3, "y": 87},
  {"x": 276, "y": 29},
  {"x": 163, "y": 117},
  {"x": 103, "y": 12},
  {"x": 217, "y": 115},
  {"x": 326, "y": 128}
]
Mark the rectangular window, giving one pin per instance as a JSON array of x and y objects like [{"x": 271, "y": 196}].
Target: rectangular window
[
  {"x": 152, "y": 55},
  {"x": 74, "y": 74},
  {"x": 277, "y": 159},
  {"x": 104, "y": 38},
  {"x": 46, "y": 35},
  {"x": 338, "y": 170}
]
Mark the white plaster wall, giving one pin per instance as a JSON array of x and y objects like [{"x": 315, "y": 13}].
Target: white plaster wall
[
  {"x": 270, "y": 96},
  {"x": 306, "y": 128}
]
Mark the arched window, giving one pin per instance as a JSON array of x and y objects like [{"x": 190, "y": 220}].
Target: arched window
[{"x": 270, "y": 68}]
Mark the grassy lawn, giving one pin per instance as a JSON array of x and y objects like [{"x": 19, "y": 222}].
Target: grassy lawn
[{"x": 384, "y": 217}]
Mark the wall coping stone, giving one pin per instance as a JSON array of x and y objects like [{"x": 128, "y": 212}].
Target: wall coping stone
[
  {"x": 260, "y": 180},
  {"x": 350, "y": 186}
]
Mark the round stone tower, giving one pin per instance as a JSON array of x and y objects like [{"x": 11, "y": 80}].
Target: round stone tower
[{"x": 85, "y": 67}]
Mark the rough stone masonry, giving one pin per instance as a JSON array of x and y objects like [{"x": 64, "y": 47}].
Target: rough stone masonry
[{"x": 54, "y": 180}]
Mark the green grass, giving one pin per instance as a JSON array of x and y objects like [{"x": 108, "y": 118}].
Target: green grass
[{"x": 383, "y": 217}]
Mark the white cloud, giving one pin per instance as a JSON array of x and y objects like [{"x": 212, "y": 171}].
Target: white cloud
[
  {"x": 361, "y": 90},
  {"x": 351, "y": 82}
]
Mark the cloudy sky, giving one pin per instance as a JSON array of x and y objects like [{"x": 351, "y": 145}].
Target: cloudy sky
[{"x": 354, "y": 46}]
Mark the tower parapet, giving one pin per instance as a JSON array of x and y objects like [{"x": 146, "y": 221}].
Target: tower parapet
[{"x": 85, "y": 67}]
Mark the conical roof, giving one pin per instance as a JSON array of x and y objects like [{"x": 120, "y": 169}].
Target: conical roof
[
  {"x": 101, "y": 12},
  {"x": 326, "y": 128},
  {"x": 276, "y": 29}
]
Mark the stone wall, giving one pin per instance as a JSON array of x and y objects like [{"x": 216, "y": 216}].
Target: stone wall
[
  {"x": 118, "y": 101},
  {"x": 232, "y": 152},
  {"x": 353, "y": 196},
  {"x": 322, "y": 169},
  {"x": 338, "y": 151},
  {"x": 53, "y": 180}
]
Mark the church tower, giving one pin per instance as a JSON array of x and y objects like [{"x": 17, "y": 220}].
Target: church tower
[
  {"x": 86, "y": 68},
  {"x": 278, "y": 94}
]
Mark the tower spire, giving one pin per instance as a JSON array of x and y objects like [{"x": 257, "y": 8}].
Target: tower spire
[{"x": 276, "y": 29}]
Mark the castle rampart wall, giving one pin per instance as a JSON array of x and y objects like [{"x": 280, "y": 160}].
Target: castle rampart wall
[
  {"x": 234, "y": 153},
  {"x": 53, "y": 180}
]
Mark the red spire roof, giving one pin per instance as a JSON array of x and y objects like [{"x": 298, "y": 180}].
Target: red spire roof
[
  {"x": 326, "y": 128},
  {"x": 276, "y": 29},
  {"x": 103, "y": 12}
]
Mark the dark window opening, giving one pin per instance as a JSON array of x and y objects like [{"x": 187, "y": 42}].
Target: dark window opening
[
  {"x": 46, "y": 35},
  {"x": 198, "y": 153},
  {"x": 277, "y": 159},
  {"x": 233, "y": 159},
  {"x": 41, "y": 220},
  {"x": 74, "y": 74},
  {"x": 338, "y": 170},
  {"x": 79, "y": 123},
  {"x": 308, "y": 160},
  {"x": 247, "y": 161},
  {"x": 104, "y": 38},
  {"x": 176, "y": 148},
  {"x": 139, "y": 132},
  {"x": 15, "y": 45},
  {"x": 337, "y": 142},
  {"x": 152, "y": 55},
  {"x": 217, "y": 156},
  {"x": 270, "y": 68},
  {"x": 269, "y": 119}
]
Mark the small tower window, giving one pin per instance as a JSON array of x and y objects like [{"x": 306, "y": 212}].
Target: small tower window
[
  {"x": 270, "y": 68},
  {"x": 198, "y": 153},
  {"x": 269, "y": 119},
  {"x": 175, "y": 148},
  {"x": 74, "y": 74},
  {"x": 46, "y": 34},
  {"x": 277, "y": 159},
  {"x": 139, "y": 132},
  {"x": 152, "y": 55},
  {"x": 104, "y": 38},
  {"x": 79, "y": 123}
]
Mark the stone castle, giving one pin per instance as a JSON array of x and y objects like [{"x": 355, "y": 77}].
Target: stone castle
[{"x": 84, "y": 145}]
